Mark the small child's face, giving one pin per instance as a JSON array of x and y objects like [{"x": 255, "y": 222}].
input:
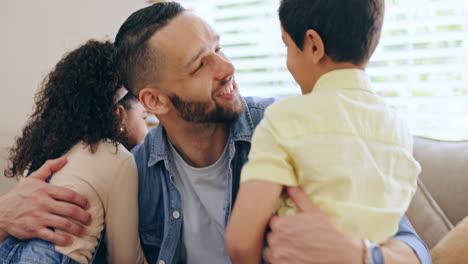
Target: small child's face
[{"x": 135, "y": 124}]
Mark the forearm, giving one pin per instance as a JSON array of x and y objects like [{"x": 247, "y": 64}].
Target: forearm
[
  {"x": 246, "y": 228},
  {"x": 3, "y": 236},
  {"x": 33, "y": 206},
  {"x": 397, "y": 252},
  {"x": 245, "y": 257},
  {"x": 3, "y": 218},
  {"x": 394, "y": 251},
  {"x": 3, "y": 233},
  {"x": 243, "y": 248},
  {"x": 406, "y": 246}
]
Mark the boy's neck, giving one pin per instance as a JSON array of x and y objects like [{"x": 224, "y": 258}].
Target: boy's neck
[
  {"x": 334, "y": 66},
  {"x": 327, "y": 67}
]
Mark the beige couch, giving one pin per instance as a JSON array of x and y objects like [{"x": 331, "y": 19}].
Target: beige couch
[{"x": 442, "y": 197}]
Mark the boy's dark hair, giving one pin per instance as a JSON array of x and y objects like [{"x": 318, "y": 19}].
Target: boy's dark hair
[
  {"x": 137, "y": 62},
  {"x": 350, "y": 29}
]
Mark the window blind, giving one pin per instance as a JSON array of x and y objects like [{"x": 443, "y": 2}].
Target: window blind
[{"x": 420, "y": 66}]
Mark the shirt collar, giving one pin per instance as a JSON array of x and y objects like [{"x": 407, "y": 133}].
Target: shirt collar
[
  {"x": 344, "y": 79},
  {"x": 240, "y": 130}
]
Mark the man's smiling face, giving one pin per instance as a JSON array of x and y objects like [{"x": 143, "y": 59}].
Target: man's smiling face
[{"x": 197, "y": 76}]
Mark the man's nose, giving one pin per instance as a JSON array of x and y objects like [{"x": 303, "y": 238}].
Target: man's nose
[{"x": 224, "y": 67}]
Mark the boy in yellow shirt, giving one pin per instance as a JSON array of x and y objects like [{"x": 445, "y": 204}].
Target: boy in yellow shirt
[{"x": 339, "y": 141}]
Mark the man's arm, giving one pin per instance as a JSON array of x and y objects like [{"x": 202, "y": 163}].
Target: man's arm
[
  {"x": 33, "y": 205},
  {"x": 406, "y": 237},
  {"x": 309, "y": 237}
]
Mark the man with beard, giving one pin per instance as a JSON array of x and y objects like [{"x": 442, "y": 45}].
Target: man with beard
[{"x": 189, "y": 166}]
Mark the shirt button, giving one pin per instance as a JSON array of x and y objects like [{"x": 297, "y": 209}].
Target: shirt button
[
  {"x": 162, "y": 262},
  {"x": 176, "y": 215}
]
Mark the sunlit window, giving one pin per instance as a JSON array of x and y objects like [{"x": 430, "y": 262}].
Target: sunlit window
[{"x": 420, "y": 66}]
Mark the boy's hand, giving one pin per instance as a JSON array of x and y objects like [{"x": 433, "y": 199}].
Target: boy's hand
[
  {"x": 310, "y": 237},
  {"x": 34, "y": 205}
]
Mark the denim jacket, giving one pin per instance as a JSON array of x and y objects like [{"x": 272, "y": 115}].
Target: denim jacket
[{"x": 160, "y": 204}]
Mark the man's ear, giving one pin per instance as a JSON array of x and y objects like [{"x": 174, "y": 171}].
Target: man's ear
[
  {"x": 154, "y": 101},
  {"x": 314, "y": 47}
]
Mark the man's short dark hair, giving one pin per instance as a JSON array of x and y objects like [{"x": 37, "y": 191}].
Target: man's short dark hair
[
  {"x": 137, "y": 62},
  {"x": 350, "y": 29}
]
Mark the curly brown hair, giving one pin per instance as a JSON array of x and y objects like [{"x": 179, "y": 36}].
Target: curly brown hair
[{"x": 75, "y": 103}]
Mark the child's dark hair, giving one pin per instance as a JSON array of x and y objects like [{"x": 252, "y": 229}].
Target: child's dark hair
[
  {"x": 350, "y": 29},
  {"x": 127, "y": 101},
  {"x": 75, "y": 103}
]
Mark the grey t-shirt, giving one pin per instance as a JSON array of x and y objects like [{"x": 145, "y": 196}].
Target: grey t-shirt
[{"x": 203, "y": 192}]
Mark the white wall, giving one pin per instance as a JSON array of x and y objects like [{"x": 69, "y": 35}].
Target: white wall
[{"x": 33, "y": 37}]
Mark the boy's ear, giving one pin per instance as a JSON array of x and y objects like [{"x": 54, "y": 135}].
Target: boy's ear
[
  {"x": 314, "y": 47},
  {"x": 154, "y": 101}
]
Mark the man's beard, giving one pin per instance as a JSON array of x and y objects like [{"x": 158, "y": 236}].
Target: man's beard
[{"x": 196, "y": 111}]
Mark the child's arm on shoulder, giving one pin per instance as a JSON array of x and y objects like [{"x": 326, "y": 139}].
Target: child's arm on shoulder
[{"x": 255, "y": 204}]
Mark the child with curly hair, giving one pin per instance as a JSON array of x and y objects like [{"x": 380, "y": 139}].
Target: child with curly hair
[{"x": 76, "y": 115}]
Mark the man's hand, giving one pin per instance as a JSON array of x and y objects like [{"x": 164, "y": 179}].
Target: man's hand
[
  {"x": 310, "y": 237},
  {"x": 33, "y": 205}
]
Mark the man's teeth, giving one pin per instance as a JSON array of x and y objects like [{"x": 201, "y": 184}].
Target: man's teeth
[{"x": 227, "y": 91}]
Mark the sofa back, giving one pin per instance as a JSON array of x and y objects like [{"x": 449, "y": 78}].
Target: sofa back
[{"x": 441, "y": 200}]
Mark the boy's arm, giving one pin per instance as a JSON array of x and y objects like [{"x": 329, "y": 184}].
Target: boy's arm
[
  {"x": 269, "y": 168},
  {"x": 255, "y": 204}
]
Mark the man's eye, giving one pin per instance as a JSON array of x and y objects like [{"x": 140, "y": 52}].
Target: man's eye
[{"x": 218, "y": 49}]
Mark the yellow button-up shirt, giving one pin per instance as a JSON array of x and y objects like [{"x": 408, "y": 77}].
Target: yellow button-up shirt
[{"x": 345, "y": 148}]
